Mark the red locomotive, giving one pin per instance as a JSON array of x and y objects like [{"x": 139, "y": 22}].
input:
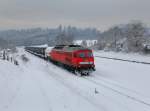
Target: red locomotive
[{"x": 74, "y": 57}]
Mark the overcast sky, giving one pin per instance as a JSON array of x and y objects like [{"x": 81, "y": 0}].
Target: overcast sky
[{"x": 101, "y": 14}]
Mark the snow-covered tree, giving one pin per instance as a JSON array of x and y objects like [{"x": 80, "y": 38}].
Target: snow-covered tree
[
  {"x": 64, "y": 39},
  {"x": 135, "y": 36},
  {"x": 84, "y": 43},
  {"x": 3, "y": 44},
  {"x": 126, "y": 37}
]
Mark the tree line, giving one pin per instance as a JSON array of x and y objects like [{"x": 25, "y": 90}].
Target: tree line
[{"x": 131, "y": 37}]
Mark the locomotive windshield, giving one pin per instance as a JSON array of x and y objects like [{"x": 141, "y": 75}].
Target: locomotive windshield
[{"x": 83, "y": 54}]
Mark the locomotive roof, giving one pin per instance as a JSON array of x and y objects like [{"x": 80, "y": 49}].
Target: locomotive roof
[
  {"x": 74, "y": 48},
  {"x": 69, "y": 47}
]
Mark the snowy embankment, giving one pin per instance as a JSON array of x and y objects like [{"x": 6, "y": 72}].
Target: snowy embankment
[
  {"x": 131, "y": 57},
  {"x": 129, "y": 70},
  {"x": 127, "y": 75},
  {"x": 37, "y": 85},
  {"x": 10, "y": 83}
]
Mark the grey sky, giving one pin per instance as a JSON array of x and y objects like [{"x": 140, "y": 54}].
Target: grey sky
[{"x": 101, "y": 14}]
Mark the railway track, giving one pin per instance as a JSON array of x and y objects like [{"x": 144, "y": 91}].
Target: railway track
[
  {"x": 125, "y": 60},
  {"x": 131, "y": 97},
  {"x": 107, "y": 87},
  {"x": 114, "y": 84}
]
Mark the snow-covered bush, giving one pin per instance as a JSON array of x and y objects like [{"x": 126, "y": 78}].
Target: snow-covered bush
[{"x": 24, "y": 58}]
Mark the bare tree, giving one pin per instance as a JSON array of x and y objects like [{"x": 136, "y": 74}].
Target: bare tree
[
  {"x": 84, "y": 43},
  {"x": 64, "y": 39},
  {"x": 109, "y": 38},
  {"x": 3, "y": 43},
  {"x": 135, "y": 36},
  {"x": 130, "y": 36}
]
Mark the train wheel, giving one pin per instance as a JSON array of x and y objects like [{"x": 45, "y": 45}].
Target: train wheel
[
  {"x": 77, "y": 73},
  {"x": 87, "y": 74}
]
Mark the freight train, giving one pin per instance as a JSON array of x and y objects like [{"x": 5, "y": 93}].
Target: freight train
[{"x": 75, "y": 58}]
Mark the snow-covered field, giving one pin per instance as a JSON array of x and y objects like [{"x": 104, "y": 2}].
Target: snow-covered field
[
  {"x": 125, "y": 56},
  {"x": 38, "y": 85}
]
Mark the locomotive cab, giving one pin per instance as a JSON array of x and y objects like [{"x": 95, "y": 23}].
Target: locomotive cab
[{"x": 84, "y": 59}]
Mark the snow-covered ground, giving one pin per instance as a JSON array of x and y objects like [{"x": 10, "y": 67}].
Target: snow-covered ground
[
  {"x": 38, "y": 85},
  {"x": 124, "y": 56}
]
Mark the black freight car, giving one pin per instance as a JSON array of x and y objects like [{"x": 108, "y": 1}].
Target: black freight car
[{"x": 39, "y": 51}]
